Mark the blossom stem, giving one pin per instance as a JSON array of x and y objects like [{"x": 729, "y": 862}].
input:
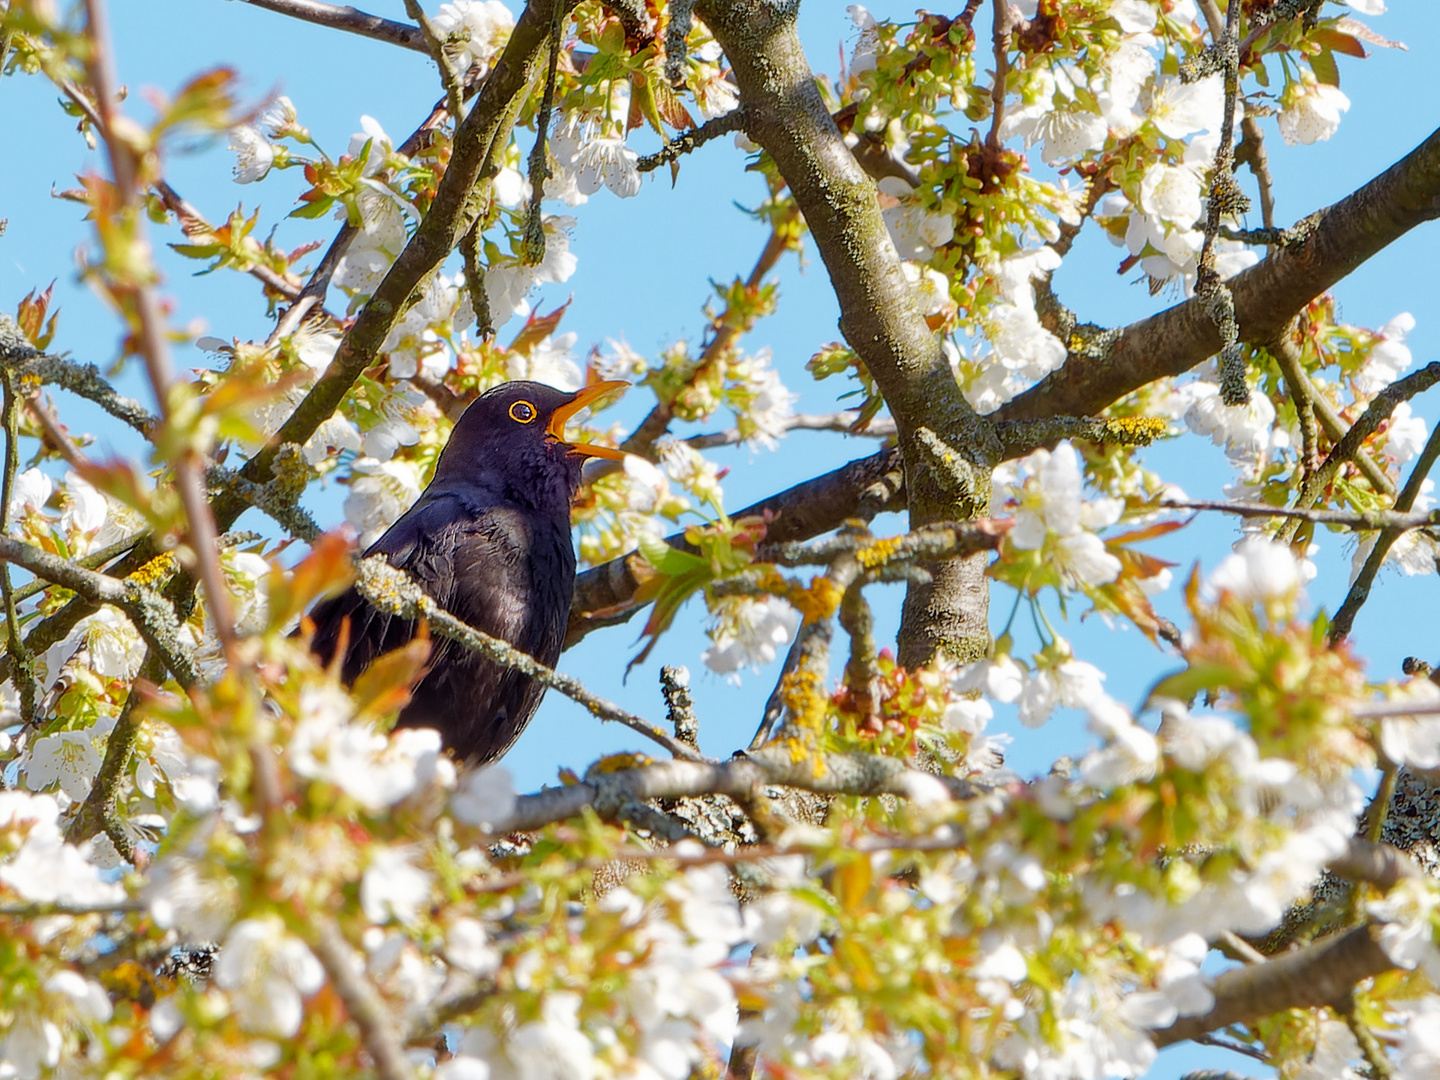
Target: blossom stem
[{"x": 692, "y": 140}]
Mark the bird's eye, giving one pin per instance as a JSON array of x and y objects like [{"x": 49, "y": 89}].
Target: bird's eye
[{"x": 522, "y": 412}]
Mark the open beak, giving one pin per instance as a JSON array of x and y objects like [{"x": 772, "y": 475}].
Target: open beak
[{"x": 584, "y": 397}]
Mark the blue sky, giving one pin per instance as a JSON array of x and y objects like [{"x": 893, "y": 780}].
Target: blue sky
[{"x": 644, "y": 271}]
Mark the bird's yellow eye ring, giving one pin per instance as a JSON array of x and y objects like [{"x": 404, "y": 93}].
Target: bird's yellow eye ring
[{"x": 522, "y": 412}]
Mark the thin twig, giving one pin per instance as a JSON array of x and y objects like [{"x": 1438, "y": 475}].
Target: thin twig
[
  {"x": 843, "y": 422},
  {"x": 775, "y": 705},
  {"x": 533, "y": 243},
  {"x": 1375, "y": 414},
  {"x": 1360, "y": 520},
  {"x": 152, "y": 616},
  {"x": 1287, "y": 357},
  {"x": 692, "y": 140},
  {"x": 1251, "y": 152},
  {"x": 365, "y": 1007},
  {"x": 396, "y": 593},
  {"x": 97, "y": 812},
  {"x": 1360, "y": 590},
  {"x": 153, "y": 339},
  {"x": 475, "y": 284},
  {"x": 348, "y": 19},
  {"x": 193, "y": 223},
  {"x": 1001, "y": 43},
  {"x": 1225, "y": 200},
  {"x": 22, "y": 662},
  {"x": 449, "y": 80},
  {"x": 642, "y": 440}
]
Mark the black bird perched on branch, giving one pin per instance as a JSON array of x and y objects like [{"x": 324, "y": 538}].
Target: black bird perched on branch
[{"x": 489, "y": 539}]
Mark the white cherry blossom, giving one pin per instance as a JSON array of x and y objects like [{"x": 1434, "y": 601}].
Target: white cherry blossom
[
  {"x": 748, "y": 632},
  {"x": 1389, "y": 357},
  {"x": 485, "y": 797},
  {"x": 1260, "y": 569},
  {"x": 267, "y": 972},
  {"x": 1310, "y": 111},
  {"x": 254, "y": 154},
  {"x": 32, "y": 490},
  {"x": 379, "y": 493},
  {"x": 483, "y": 27},
  {"x": 393, "y": 886}
]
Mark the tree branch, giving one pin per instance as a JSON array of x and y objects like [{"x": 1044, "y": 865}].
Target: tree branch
[
  {"x": 843, "y": 422},
  {"x": 605, "y": 594},
  {"x": 949, "y": 451},
  {"x": 364, "y": 1006},
  {"x": 479, "y": 140},
  {"x": 1360, "y": 590},
  {"x": 1306, "y": 978},
  {"x": 1336, "y": 241},
  {"x": 1375, "y": 414},
  {"x": 152, "y": 616},
  {"x": 740, "y": 778},
  {"x": 692, "y": 140},
  {"x": 1361, "y": 520},
  {"x": 85, "y": 380},
  {"x": 349, "y": 19},
  {"x": 1287, "y": 357}
]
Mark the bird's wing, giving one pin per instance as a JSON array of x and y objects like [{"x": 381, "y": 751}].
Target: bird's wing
[
  {"x": 486, "y": 565},
  {"x": 409, "y": 544},
  {"x": 503, "y": 572}
]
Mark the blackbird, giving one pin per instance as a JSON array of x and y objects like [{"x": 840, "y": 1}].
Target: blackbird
[{"x": 489, "y": 539}]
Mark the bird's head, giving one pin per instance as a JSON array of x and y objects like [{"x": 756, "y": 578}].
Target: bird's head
[{"x": 515, "y": 433}]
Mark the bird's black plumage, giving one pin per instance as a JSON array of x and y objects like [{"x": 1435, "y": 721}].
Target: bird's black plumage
[{"x": 489, "y": 539}]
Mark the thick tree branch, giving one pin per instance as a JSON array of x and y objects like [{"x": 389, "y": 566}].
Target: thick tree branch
[
  {"x": 605, "y": 594},
  {"x": 1335, "y": 242},
  {"x": 741, "y": 778},
  {"x": 479, "y": 140},
  {"x": 1306, "y": 978},
  {"x": 949, "y": 452}
]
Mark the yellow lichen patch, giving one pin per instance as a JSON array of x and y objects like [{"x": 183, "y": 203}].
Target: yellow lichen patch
[
  {"x": 155, "y": 572},
  {"x": 1134, "y": 430},
  {"x": 805, "y": 700},
  {"x": 878, "y": 552},
  {"x": 820, "y": 601},
  {"x": 614, "y": 763}
]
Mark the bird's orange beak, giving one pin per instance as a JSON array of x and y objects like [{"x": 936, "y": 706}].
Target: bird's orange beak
[{"x": 584, "y": 397}]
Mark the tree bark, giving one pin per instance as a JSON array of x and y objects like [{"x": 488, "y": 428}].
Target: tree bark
[{"x": 949, "y": 451}]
